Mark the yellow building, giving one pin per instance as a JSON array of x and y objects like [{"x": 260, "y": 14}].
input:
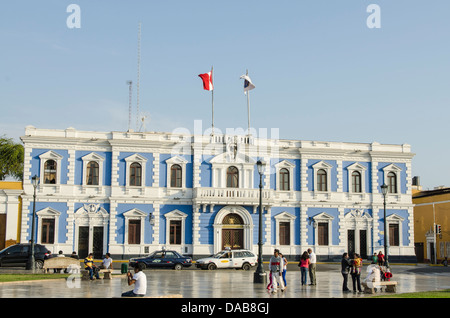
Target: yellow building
[
  {"x": 10, "y": 212},
  {"x": 432, "y": 208}
]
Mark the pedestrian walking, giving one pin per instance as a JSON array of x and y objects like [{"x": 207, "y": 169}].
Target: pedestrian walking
[
  {"x": 285, "y": 262},
  {"x": 345, "y": 269},
  {"x": 356, "y": 273},
  {"x": 304, "y": 266},
  {"x": 312, "y": 267},
  {"x": 276, "y": 271},
  {"x": 380, "y": 259}
]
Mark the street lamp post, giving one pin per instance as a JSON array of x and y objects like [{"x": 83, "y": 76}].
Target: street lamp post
[
  {"x": 31, "y": 262},
  {"x": 384, "y": 190},
  {"x": 260, "y": 276}
]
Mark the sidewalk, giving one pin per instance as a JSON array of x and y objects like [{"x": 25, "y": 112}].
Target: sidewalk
[{"x": 195, "y": 283}]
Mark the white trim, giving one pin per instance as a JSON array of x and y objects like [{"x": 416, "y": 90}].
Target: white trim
[
  {"x": 176, "y": 160},
  {"x": 395, "y": 219},
  {"x": 48, "y": 213},
  {"x": 134, "y": 214},
  {"x": 245, "y": 165},
  {"x": 96, "y": 158},
  {"x": 397, "y": 170},
  {"x": 92, "y": 215},
  {"x": 324, "y": 166},
  {"x": 176, "y": 215},
  {"x": 323, "y": 218},
  {"x": 50, "y": 155},
  {"x": 284, "y": 217},
  {"x": 290, "y": 167},
  {"x": 362, "y": 171},
  {"x": 129, "y": 161}
]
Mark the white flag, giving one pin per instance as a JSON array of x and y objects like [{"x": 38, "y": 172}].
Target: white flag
[{"x": 248, "y": 85}]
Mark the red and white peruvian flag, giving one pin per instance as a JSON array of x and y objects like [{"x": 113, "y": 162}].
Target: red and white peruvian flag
[{"x": 207, "y": 81}]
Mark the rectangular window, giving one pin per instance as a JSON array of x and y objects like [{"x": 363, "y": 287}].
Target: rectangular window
[
  {"x": 175, "y": 232},
  {"x": 322, "y": 233},
  {"x": 48, "y": 231},
  {"x": 285, "y": 233},
  {"x": 394, "y": 238},
  {"x": 134, "y": 232}
]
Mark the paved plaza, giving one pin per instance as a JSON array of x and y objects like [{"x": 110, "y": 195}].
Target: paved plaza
[{"x": 226, "y": 284}]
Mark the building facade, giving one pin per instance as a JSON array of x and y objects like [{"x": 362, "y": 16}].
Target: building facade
[
  {"x": 129, "y": 193},
  {"x": 10, "y": 212},
  {"x": 432, "y": 208}
]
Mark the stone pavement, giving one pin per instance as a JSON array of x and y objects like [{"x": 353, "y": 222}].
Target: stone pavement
[{"x": 226, "y": 284}]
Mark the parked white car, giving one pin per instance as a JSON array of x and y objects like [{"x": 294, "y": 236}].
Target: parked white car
[{"x": 243, "y": 259}]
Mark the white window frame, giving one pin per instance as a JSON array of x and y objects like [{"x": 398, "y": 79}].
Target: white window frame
[
  {"x": 50, "y": 155},
  {"x": 322, "y": 165},
  {"x": 176, "y": 160},
  {"x": 362, "y": 171},
  {"x": 290, "y": 167},
  {"x": 323, "y": 218},
  {"x": 96, "y": 158},
  {"x": 176, "y": 215},
  {"x": 395, "y": 219},
  {"x": 129, "y": 161},
  {"x": 285, "y": 217},
  {"x": 134, "y": 214},
  {"x": 397, "y": 170},
  {"x": 244, "y": 164},
  {"x": 48, "y": 213}
]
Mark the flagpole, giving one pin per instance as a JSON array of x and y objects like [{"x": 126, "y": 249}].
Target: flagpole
[
  {"x": 212, "y": 100},
  {"x": 248, "y": 107}
]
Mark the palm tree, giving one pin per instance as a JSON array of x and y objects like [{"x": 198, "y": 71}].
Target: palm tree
[{"x": 11, "y": 159}]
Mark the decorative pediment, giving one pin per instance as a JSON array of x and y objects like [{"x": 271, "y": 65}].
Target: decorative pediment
[
  {"x": 48, "y": 212},
  {"x": 50, "y": 155},
  {"x": 284, "y": 216},
  {"x": 135, "y": 213},
  {"x": 92, "y": 157},
  {"x": 284, "y": 164},
  {"x": 176, "y": 160},
  {"x": 323, "y": 217},
  {"x": 228, "y": 157},
  {"x": 135, "y": 158},
  {"x": 394, "y": 218},
  {"x": 176, "y": 214},
  {"x": 356, "y": 166},
  {"x": 322, "y": 165},
  {"x": 392, "y": 167}
]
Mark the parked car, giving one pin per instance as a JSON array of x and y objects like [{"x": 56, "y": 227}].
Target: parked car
[
  {"x": 239, "y": 259},
  {"x": 18, "y": 255},
  {"x": 162, "y": 259}
]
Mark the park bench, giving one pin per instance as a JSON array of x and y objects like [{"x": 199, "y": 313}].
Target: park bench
[
  {"x": 391, "y": 286},
  {"x": 71, "y": 264},
  {"x": 106, "y": 274}
]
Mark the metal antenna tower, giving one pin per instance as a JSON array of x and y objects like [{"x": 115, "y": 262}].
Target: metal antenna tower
[
  {"x": 130, "y": 91},
  {"x": 138, "y": 76}
]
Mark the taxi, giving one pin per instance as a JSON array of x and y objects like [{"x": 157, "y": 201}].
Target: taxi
[{"x": 238, "y": 259}]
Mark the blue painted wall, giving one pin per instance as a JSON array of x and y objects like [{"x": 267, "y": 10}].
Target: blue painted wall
[
  {"x": 36, "y": 163},
  {"x": 106, "y": 166},
  {"x": 58, "y": 206},
  {"x": 148, "y": 167},
  {"x": 120, "y": 221}
]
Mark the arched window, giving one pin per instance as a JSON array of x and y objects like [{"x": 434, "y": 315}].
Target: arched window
[
  {"x": 232, "y": 177},
  {"x": 92, "y": 173},
  {"x": 50, "y": 171},
  {"x": 175, "y": 176},
  {"x": 392, "y": 182},
  {"x": 284, "y": 179},
  {"x": 356, "y": 182},
  {"x": 322, "y": 180},
  {"x": 135, "y": 174}
]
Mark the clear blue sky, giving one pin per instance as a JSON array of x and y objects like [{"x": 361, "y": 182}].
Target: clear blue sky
[{"x": 320, "y": 72}]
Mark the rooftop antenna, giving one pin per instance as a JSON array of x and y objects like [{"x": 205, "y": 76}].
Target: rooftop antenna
[
  {"x": 130, "y": 90},
  {"x": 138, "y": 76}
]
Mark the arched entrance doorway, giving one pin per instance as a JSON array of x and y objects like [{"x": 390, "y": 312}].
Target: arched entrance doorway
[
  {"x": 233, "y": 232},
  {"x": 233, "y": 228}
]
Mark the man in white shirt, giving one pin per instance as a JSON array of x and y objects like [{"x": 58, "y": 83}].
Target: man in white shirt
[
  {"x": 140, "y": 283},
  {"x": 312, "y": 267},
  {"x": 107, "y": 262}
]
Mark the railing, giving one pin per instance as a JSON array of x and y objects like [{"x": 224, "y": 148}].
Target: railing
[{"x": 231, "y": 193}]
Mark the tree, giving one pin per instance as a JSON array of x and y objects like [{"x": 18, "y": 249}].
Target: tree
[{"x": 11, "y": 159}]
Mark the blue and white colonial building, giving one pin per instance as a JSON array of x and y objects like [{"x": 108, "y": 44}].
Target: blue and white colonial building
[{"x": 130, "y": 193}]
